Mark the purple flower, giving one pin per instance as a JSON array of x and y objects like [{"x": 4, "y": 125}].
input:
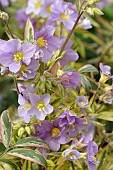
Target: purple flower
[
  {"x": 46, "y": 42},
  {"x": 71, "y": 154},
  {"x": 83, "y": 141},
  {"x": 27, "y": 72},
  {"x": 92, "y": 149},
  {"x": 105, "y": 73},
  {"x": 82, "y": 101},
  {"x": 65, "y": 13},
  {"x": 5, "y": 3},
  {"x": 24, "y": 107},
  {"x": 21, "y": 17},
  {"x": 102, "y": 4},
  {"x": 107, "y": 98},
  {"x": 50, "y": 133},
  {"x": 24, "y": 101},
  {"x": 69, "y": 54},
  {"x": 14, "y": 54},
  {"x": 71, "y": 125},
  {"x": 40, "y": 105},
  {"x": 105, "y": 69},
  {"x": 70, "y": 79},
  {"x": 86, "y": 24},
  {"x": 34, "y": 6},
  {"x": 46, "y": 9}
]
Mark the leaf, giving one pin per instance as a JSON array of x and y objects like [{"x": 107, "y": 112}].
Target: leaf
[
  {"x": 11, "y": 164},
  {"x": 32, "y": 142},
  {"x": 88, "y": 68},
  {"x": 61, "y": 90},
  {"x": 28, "y": 154},
  {"x": 86, "y": 84},
  {"x": 29, "y": 31},
  {"x": 107, "y": 115},
  {"x": 6, "y": 128},
  {"x": 2, "y": 148}
]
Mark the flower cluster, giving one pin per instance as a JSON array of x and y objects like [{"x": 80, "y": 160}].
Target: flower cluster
[{"x": 54, "y": 94}]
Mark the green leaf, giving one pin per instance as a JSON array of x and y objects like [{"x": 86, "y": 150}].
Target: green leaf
[
  {"x": 6, "y": 129},
  {"x": 29, "y": 31},
  {"x": 34, "y": 142},
  {"x": 28, "y": 154},
  {"x": 88, "y": 68},
  {"x": 11, "y": 164},
  {"x": 61, "y": 90},
  {"x": 2, "y": 148},
  {"x": 86, "y": 84},
  {"x": 107, "y": 115}
]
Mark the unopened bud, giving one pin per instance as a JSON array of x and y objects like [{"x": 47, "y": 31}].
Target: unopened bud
[
  {"x": 4, "y": 17},
  {"x": 28, "y": 130},
  {"x": 97, "y": 11},
  {"x": 32, "y": 128},
  {"x": 21, "y": 131}
]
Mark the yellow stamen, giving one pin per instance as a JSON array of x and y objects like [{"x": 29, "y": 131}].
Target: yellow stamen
[
  {"x": 55, "y": 132},
  {"x": 64, "y": 16},
  {"x": 41, "y": 42},
  {"x": 40, "y": 105},
  {"x": 37, "y": 4},
  {"x": 18, "y": 57},
  {"x": 48, "y": 9}
]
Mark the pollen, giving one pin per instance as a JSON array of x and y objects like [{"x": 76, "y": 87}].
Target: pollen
[
  {"x": 42, "y": 42},
  {"x": 37, "y": 4},
  {"x": 48, "y": 9},
  {"x": 18, "y": 57},
  {"x": 64, "y": 16},
  {"x": 40, "y": 105},
  {"x": 55, "y": 132},
  {"x": 28, "y": 105}
]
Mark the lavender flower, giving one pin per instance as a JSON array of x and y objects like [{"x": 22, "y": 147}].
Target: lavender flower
[
  {"x": 86, "y": 24},
  {"x": 24, "y": 107},
  {"x": 71, "y": 154},
  {"x": 71, "y": 125},
  {"x": 5, "y": 3},
  {"x": 105, "y": 73},
  {"x": 46, "y": 42},
  {"x": 46, "y": 9},
  {"x": 92, "y": 149},
  {"x": 64, "y": 13},
  {"x": 21, "y": 17},
  {"x": 40, "y": 105},
  {"x": 14, "y": 54},
  {"x": 34, "y": 6},
  {"x": 69, "y": 54},
  {"x": 50, "y": 133},
  {"x": 27, "y": 72},
  {"x": 82, "y": 101},
  {"x": 70, "y": 79},
  {"x": 107, "y": 98},
  {"x": 102, "y": 3}
]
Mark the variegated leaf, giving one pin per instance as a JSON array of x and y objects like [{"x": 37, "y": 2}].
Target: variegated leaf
[{"x": 6, "y": 128}]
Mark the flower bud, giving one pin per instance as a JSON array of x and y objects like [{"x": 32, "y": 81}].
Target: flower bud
[
  {"x": 97, "y": 11},
  {"x": 21, "y": 131},
  {"x": 4, "y": 17},
  {"x": 28, "y": 130},
  {"x": 32, "y": 128},
  {"x": 103, "y": 78}
]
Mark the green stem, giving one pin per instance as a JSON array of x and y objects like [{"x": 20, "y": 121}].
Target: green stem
[
  {"x": 15, "y": 82},
  {"x": 72, "y": 165},
  {"x": 95, "y": 96},
  {"x": 9, "y": 31},
  {"x": 97, "y": 110},
  {"x": 69, "y": 35}
]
